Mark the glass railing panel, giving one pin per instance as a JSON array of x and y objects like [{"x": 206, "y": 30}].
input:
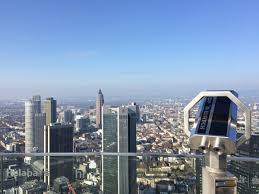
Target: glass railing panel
[
  {"x": 55, "y": 174},
  {"x": 110, "y": 173},
  {"x": 156, "y": 174},
  {"x": 96, "y": 173}
]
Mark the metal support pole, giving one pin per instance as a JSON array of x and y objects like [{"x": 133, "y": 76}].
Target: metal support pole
[
  {"x": 215, "y": 178},
  {"x": 216, "y": 162},
  {"x": 2, "y": 174}
]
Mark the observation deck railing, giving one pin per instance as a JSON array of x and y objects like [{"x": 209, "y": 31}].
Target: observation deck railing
[{"x": 100, "y": 172}]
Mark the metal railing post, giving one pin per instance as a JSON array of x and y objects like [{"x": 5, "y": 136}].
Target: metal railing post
[{"x": 2, "y": 175}]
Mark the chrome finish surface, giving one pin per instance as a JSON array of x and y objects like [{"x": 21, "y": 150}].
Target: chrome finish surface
[
  {"x": 217, "y": 138},
  {"x": 233, "y": 98}
]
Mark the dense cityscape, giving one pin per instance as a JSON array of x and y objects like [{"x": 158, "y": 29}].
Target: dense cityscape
[
  {"x": 154, "y": 126},
  {"x": 129, "y": 97}
]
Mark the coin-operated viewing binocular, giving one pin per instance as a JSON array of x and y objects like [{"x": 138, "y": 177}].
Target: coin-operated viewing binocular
[{"x": 215, "y": 134}]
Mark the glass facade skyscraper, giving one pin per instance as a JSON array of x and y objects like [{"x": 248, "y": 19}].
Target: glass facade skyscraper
[
  {"x": 58, "y": 138},
  {"x": 50, "y": 108},
  {"x": 68, "y": 116},
  {"x": 34, "y": 124},
  {"x": 40, "y": 120},
  {"x": 247, "y": 172},
  {"x": 119, "y": 135},
  {"x": 37, "y": 101}
]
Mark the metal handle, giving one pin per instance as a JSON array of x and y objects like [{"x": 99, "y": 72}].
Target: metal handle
[{"x": 234, "y": 99}]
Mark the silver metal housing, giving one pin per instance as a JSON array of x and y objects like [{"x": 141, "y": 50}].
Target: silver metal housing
[{"x": 228, "y": 142}]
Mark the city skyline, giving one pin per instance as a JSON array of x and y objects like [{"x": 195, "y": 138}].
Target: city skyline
[
  {"x": 156, "y": 126},
  {"x": 129, "y": 97},
  {"x": 183, "y": 49}
]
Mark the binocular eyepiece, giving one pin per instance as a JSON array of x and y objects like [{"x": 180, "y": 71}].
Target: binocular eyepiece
[{"x": 205, "y": 146}]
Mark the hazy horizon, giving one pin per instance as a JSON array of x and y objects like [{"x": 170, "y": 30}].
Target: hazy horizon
[
  {"x": 253, "y": 93},
  {"x": 129, "y": 48}
]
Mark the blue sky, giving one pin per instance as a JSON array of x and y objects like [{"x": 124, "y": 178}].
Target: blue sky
[{"x": 168, "y": 47}]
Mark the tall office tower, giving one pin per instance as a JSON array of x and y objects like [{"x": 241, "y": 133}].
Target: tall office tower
[
  {"x": 132, "y": 148},
  {"x": 68, "y": 116},
  {"x": 29, "y": 125},
  {"x": 37, "y": 101},
  {"x": 39, "y": 122},
  {"x": 82, "y": 123},
  {"x": 247, "y": 173},
  {"x": 50, "y": 108},
  {"x": 99, "y": 105},
  {"x": 33, "y": 124},
  {"x": 58, "y": 138},
  {"x": 135, "y": 107},
  {"x": 119, "y": 135}
]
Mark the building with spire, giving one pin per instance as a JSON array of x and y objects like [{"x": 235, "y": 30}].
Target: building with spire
[{"x": 99, "y": 105}]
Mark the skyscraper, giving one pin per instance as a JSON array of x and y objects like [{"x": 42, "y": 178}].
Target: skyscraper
[
  {"x": 34, "y": 126},
  {"x": 50, "y": 108},
  {"x": 132, "y": 148},
  {"x": 246, "y": 172},
  {"x": 58, "y": 138},
  {"x": 119, "y": 135},
  {"x": 29, "y": 125},
  {"x": 99, "y": 104},
  {"x": 68, "y": 116},
  {"x": 37, "y": 101},
  {"x": 82, "y": 123},
  {"x": 135, "y": 107},
  {"x": 40, "y": 120}
]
